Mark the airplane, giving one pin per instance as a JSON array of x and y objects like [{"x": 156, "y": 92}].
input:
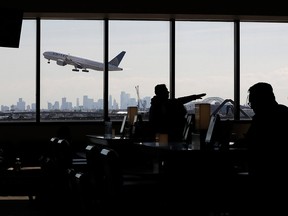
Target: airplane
[{"x": 82, "y": 63}]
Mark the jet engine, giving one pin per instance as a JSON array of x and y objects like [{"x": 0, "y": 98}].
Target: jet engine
[{"x": 61, "y": 63}]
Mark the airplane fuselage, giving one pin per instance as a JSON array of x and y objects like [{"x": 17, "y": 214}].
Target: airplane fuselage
[{"x": 80, "y": 63}]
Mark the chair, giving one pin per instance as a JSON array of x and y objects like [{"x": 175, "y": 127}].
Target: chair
[
  {"x": 188, "y": 128},
  {"x": 56, "y": 163},
  {"x": 104, "y": 177},
  {"x": 57, "y": 159},
  {"x": 110, "y": 187},
  {"x": 80, "y": 192}
]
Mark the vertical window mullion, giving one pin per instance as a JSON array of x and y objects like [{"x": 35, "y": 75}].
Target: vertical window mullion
[{"x": 38, "y": 54}]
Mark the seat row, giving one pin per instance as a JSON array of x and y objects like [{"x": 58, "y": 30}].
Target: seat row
[{"x": 94, "y": 183}]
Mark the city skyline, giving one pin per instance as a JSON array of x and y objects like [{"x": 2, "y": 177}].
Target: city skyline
[{"x": 87, "y": 103}]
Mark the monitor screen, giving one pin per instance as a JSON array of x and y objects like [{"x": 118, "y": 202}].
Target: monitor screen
[{"x": 11, "y": 25}]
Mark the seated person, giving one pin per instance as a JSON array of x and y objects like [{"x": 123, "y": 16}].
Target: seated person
[
  {"x": 267, "y": 148},
  {"x": 168, "y": 115},
  {"x": 266, "y": 136}
]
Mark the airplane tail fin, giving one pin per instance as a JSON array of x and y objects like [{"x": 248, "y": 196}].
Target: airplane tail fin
[{"x": 116, "y": 61}]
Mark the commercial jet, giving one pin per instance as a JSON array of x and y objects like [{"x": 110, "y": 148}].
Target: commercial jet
[{"x": 82, "y": 63}]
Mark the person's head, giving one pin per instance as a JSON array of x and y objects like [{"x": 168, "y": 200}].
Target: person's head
[
  {"x": 161, "y": 91},
  {"x": 260, "y": 96}
]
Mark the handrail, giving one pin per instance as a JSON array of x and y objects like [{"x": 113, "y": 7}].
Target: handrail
[{"x": 233, "y": 103}]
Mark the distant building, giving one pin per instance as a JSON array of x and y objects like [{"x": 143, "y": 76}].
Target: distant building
[{"x": 20, "y": 105}]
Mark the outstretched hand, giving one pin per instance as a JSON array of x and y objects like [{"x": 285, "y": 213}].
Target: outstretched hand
[{"x": 199, "y": 96}]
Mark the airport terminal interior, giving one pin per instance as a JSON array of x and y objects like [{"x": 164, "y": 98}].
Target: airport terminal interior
[{"x": 85, "y": 160}]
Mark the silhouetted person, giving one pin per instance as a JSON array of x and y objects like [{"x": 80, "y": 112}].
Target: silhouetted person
[
  {"x": 168, "y": 115},
  {"x": 267, "y": 140}
]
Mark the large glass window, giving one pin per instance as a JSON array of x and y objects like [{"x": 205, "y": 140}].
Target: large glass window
[
  {"x": 71, "y": 91},
  {"x": 204, "y": 61},
  {"x": 145, "y": 64},
  {"x": 264, "y": 58},
  {"x": 18, "y": 77}
]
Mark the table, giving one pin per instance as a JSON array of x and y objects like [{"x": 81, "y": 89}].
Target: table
[
  {"x": 178, "y": 155},
  {"x": 101, "y": 140},
  {"x": 25, "y": 181},
  {"x": 207, "y": 176},
  {"x": 133, "y": 158}
]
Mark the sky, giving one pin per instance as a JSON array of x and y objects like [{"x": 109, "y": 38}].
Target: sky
[{"x": 204, "y": 59}]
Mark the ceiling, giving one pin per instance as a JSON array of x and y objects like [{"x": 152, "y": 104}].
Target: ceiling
[{"x": 160, "y": 9}]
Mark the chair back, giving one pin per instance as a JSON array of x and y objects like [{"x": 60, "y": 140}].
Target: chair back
[
  {"x": 104, "y": 173},
  {"x": 63, "y": 154},
  {"x": 58, "y": 156},
  {"x": 188, "y": 128},
  {"x": 56, "y": 162}
]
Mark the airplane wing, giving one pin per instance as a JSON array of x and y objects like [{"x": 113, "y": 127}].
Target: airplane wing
[
  {"x": 76, "y": 64},
  {"x": 79, "y": 65}
]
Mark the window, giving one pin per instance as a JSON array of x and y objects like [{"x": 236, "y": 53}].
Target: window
[
  {"x": 18, "y": 77},
  {"x": 264, "y": 58},
  {"x": 145, "y": 64},
  {"x": 205, "y": 62},
  {"x": 66, "y": 94}
]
